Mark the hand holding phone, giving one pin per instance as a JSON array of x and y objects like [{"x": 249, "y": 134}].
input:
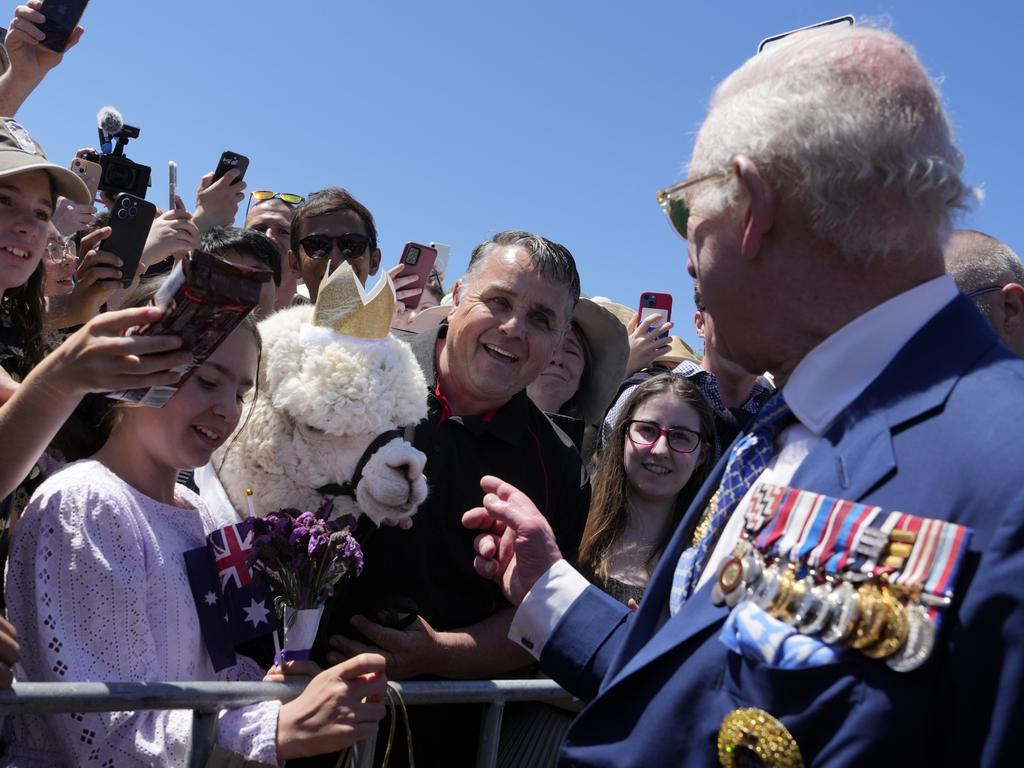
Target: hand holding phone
[
  {"x": 89, "y": 172},
  {"x": 62, "y": 17},
  {"x": 416, "y": 260},
  {"x": 231, "y": 161},
  {"x": 652, "y": 302},
  {"x": 130, "y": 221}
]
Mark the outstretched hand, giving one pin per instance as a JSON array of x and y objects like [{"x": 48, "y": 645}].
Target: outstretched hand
[
  {"x": 340, "y": 706},
  {"x": 517, "y": 546}
]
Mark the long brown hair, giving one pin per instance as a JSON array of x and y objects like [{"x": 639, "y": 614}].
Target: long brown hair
[
  {"x": 609, "y": 506},
  {"x": 24, "y": 305}
]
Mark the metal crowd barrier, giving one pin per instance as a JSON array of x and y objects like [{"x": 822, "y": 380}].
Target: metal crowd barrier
[{"x": 207, "y": 699}]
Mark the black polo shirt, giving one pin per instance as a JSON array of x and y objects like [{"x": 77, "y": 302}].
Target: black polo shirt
[{"x": 432, "y": 562}]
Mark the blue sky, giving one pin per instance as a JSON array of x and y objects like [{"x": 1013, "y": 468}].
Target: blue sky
[{"x": 453, "y": 120}]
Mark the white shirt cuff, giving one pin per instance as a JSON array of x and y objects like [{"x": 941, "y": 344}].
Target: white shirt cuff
[{"x": 544, "y": 606}]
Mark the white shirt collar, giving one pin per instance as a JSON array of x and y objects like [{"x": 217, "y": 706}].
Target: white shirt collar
[{"x": 833, "y": 374}]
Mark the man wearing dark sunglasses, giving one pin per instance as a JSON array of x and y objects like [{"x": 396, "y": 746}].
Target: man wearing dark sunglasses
[
  {"x": 271, "y": 214},
  {"x": 988, "y": 271},
  {"x": 330, "y": 227},
  {"x": 822, "y": 184}
]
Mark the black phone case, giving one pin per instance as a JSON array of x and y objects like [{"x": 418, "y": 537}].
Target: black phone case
[
  {"x": 229, "y": 160},
  {"x": 62, "y": 16},
  {"x": 130, "y": 220}
]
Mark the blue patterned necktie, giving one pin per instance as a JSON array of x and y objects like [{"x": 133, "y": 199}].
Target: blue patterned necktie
[{"x": 747, "y": 461}]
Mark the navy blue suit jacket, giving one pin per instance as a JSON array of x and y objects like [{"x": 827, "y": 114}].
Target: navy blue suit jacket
[{"x": 938, "y": 434}]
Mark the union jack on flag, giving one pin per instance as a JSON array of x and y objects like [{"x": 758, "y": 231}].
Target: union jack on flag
[
  {"x": 230, "y": 550},
  {"x": 232, "y": 606}
]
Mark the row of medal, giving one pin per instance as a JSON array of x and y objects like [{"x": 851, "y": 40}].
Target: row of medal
[{"x": 849, "y": 574}]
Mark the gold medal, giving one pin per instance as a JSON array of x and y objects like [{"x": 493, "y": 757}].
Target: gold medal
[
  {"x": 753, "y": 737},
  {"x": 894, "y": 632},
  {"x": 790, "y": 602},
  {"x": 872, "y": 616}
]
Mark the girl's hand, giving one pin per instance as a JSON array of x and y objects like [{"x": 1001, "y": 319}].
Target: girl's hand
[{"x": 340, "y": 706}]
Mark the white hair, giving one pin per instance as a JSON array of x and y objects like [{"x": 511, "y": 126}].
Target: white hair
[{"x": 847, "y": 122}]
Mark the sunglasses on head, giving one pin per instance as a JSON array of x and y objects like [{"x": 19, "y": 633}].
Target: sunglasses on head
[
  {"x": 673, "y": 202},
  {"x": 351, "y": 245},
  {"x": 262, "y": 195}
]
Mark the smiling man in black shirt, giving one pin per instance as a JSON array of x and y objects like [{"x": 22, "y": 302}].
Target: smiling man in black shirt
[{"x": 511, "y": 310}]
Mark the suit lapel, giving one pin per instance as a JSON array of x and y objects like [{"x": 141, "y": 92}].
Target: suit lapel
[{"x": 854, "y": 457}]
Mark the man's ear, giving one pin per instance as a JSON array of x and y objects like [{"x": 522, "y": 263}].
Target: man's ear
[
  {"x": 374, "y": 261},
  {"x": 1013, "y": 308},
  {"x": 293, "y": 262},
  {"x": 456, "y": 291},
  {"x": 761, "y": 206},
  {"x": 698, "y": 323}
]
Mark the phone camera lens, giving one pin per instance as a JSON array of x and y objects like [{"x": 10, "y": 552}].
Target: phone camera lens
[{"x": 122, "y": 214}]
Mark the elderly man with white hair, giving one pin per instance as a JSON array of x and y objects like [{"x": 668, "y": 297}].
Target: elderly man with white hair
[{"x": 848, "y": 588}]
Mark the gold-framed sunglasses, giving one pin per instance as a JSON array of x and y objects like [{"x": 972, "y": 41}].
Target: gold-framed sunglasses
[
  {"x": 262, "y": 195},
  {"x": 673, "y": 202}
]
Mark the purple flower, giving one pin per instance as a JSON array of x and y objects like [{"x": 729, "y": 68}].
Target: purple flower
[
  {"x": 318, "y": 540},
  {"x": 302, "y": 555}
]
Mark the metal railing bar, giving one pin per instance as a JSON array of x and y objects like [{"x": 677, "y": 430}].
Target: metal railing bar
[
  {"x": 204, "y": 734},
  {"x": 42, "y": 698},
  {"x": 490, "y": 734}
]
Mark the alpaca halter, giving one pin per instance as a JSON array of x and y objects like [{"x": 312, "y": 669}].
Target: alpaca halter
[{"x": 348, "y": 488}]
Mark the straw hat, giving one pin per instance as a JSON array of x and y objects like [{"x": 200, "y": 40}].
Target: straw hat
[
  {"x": 607, "y": 350},
  {"x": 678, "y": 352}
]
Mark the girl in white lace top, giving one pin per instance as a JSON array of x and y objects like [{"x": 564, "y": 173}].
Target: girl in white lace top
[{"x": 98, "y": 590}]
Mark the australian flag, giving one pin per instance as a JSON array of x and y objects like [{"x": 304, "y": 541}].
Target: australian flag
[{"x": 232, "y": 606}]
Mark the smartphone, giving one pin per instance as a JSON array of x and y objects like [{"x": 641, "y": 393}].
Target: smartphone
[
  {"x": 206, "y": 298},
  {"x": 62, "y": 17},
  {"x": 416, "y": 260},
  {"x": 172, "y": 184},
  {"x": 130, "y": 220},
  {"x": 770, "y": 41},
  {"x": 441, "y": 262},
  {"x": 89, "y": 172},
  {"x": 651, "y": 303},
  {"x": 229, "y": 160}
]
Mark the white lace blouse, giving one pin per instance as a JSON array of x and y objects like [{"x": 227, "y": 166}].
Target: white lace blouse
[{"x": 97, "y": 589}]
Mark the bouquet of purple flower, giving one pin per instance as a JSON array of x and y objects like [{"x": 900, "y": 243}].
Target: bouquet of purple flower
[{"x": 302, "y": 555}]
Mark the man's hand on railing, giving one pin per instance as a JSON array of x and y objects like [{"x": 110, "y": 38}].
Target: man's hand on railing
[
  {"x": 340, "y": 706},
  {"x": 10, "y": 652},
  {"x": 409, "y": 651},
  {"x": 518, "y": 546}
]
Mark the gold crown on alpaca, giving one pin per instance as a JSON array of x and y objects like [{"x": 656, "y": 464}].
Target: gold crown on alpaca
[{"x": 343, "y": 306}]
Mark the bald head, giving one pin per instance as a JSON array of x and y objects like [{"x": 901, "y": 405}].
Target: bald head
[{"x": 988, "y": 270}]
